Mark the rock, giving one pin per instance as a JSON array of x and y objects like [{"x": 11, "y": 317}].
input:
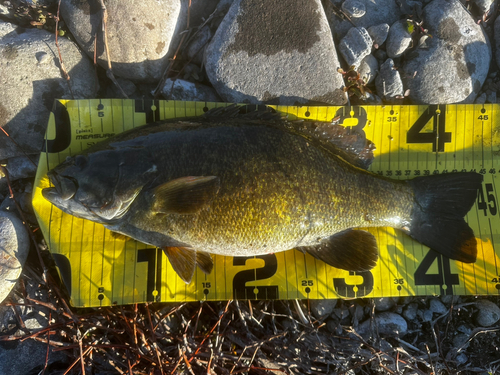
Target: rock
[
  {"x": 448, "y": 299},
  {"x": 377, "y": 12},
  {"x": 398, "y": 40},
  {"x": 355, "y": 46},
  {"x": 196, "y": 48},
  {"x": 425, "y": 315},
  {"x": 410, "y": 312},
  {"x": 460, "y": 339},
  {"x": 481, "y": 99},
  {"x": 455, "y": 62},
  {"x": 388, "y": 82},
  {"x": 333, "y": 325},
  {"x": 384, "y": 304},
  {"x": 437, "y": 307},
  {"x": 261, "y": 44},
  {"x": 387, "y": 324},
  {"x": 368, "y": 68},
  {"x": 185, "y": 90},
  {"x": 488, "y": 313},
  {"x": 29, "y": 87},
  {"x": 14, "y": 248},
  {"x": 378, "y": 33},
  {"x": 354, "y": 8},
  {"x": 139, "y": 34},
  {"x": 127, "y": 86},
  {"x": 321, "y": 308},
  {"x": 491, "y": 97}
]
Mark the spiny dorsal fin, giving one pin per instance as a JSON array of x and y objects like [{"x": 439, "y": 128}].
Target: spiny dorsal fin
[
  {"x": 185, "y": 195},
  {"x": 351, "y": 250},
  {"x": 183, "y": 261}
]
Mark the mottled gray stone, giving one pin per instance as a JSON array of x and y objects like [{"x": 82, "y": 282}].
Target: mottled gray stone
[
  {"x": 185, "y": 90},
  {"x": 379, "y": 33},
  {"x": 368, "y": 68},
  {"x": 355, "y": 46},
  {"x": 488, "y": 313},
  {"x": 388, "y": 82},
  {"x": 384, "y": 303},
  {"x": 260, "y": 45},
  {"x": 455, "y": 62},
  {"x": 459, "y": 340},
  {"x": 139, "y": 34},
  {"x": 30, "y": 87},
  {"x": 322, "y": 307},
  {"x": 386, "y": 324},
  {"x": 437, "y": 307},
  {"x": 398, "y": 40},
  {"x": 14, "y": 248},
  {"x": 19, "y": 167},
  {"x": 377, "y": 12},
  {"x": 410, "y": 312},
  {"x": 425, "y": 315},
  {"x": 354, "y": 8}
]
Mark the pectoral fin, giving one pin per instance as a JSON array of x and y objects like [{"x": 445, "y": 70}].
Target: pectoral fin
[
  {"x": 185, "y": 195},
  {"x": 351, "y": 250},
  {"x": 184, "y": 261}
]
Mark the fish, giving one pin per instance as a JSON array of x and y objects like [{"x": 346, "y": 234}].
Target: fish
[{"x": 238, "y": 184}]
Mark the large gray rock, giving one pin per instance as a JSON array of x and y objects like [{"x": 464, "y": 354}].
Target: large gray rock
[
  {"x": 275, "y": 52},
  {"x": 31, "y": 79},
  {"x": 455, "y": 62},
  {"x": 139, "y": 34},
  {"x": 377, "y": 12},
  {"x": 14, "y": 248}
]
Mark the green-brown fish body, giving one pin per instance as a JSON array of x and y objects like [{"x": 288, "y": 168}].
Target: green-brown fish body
[{"x": 243, "y": 187}]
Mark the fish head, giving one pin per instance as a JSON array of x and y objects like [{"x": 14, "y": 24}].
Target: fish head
[{"x": 91, "y": 187}]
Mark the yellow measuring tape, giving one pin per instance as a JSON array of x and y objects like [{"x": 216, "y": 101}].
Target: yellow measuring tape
[{"x": 101, "y": 270}]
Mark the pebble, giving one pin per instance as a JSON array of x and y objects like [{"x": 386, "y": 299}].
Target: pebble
[
  {"x": 460, "y": 339},
  {"x": 437, "y": 307},
  {"x": 354, "y": 8},
  {"x": 398, "y": 40},
  {"x": 355, "y": 46},
  {"x": 384, "y": 304},
  {"x": 368, "y": 68},
  {"x": 425, "y": 315},
  {"x": 185, "y": 90},
  {"x": 379, "y": 33},
  {"x": 387, "y": 324},
  {"x": 388, "y": 82},
  {"x": 14, "y": 248},
  {"x": 321, "y": 308},
  {"x": 410, "y": 312},
  {"x": 488, "y": 313}
]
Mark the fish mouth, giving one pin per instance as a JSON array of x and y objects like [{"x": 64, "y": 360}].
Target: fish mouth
[{"x": 65, "y": 187}]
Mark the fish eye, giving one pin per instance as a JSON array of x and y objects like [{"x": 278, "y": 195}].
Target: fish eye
[{"x": 80, "y": 161}]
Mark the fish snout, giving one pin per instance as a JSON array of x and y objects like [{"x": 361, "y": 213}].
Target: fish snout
[{"x": 65, "y": 187}]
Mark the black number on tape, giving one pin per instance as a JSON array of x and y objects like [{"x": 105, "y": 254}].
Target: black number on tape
[
  {"x": 357, "y": 290},
  {"x": 63, "y": 130},
  {"x": 491, "y": 204},
  {"x": 444, "y": 278},
  {"x": 152, "y": 285},
  {"x": 439, "y": 135},
  {"x": 242, "y": 291}
]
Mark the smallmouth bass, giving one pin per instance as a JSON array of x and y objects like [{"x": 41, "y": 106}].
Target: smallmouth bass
[{"x": 243, "y": 185}]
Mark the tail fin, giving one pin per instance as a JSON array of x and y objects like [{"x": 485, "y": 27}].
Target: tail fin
[{"x": 441, "y": 202}]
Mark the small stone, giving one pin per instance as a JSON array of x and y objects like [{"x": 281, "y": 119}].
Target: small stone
[
  {"x": 368, "y": 68},
  {"x": 333, "y": 325},
  {"x": 461, "y": 358},
  {"x": 42, "y": 57},
  {"x": 14, "y": 248},
  {"x": 448, "y": 299},
  {"x": 34, "y": 323},
  {"x": 388, "y": 82},
  {"x": 386, "y": 323},
  {"x": 380, "y": 55},
  {"x": 464, "y": 329},
  {"x": 384, "y": 304},
  {"x": 427, "y": 315},
  {"x": 185, "y": 90},
  {"x": 437, "y": 307},
  {"x": 379, "y": 33},
  {"x": 488, "y": 314},
  {"x": 491, "y": 97},
  {"x": 398, "y": 40},
  {"x": 410, "y": 313},
  {"x": 354, "y": 8},
  {"x": 355, "y": 46},
  {"x": 321, "y": 308},
  {"x": 481, "y": 99},
  {"x": 196, "y": 48},
  {"x": 459, "y": 340}
]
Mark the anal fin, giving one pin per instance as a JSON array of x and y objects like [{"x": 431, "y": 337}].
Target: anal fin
[
  {"x": 184, "y": 261},
  {"x": 351, "y": 250}
]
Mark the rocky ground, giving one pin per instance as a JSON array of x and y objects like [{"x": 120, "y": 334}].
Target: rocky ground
[{"x": 295, "y": 52}]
